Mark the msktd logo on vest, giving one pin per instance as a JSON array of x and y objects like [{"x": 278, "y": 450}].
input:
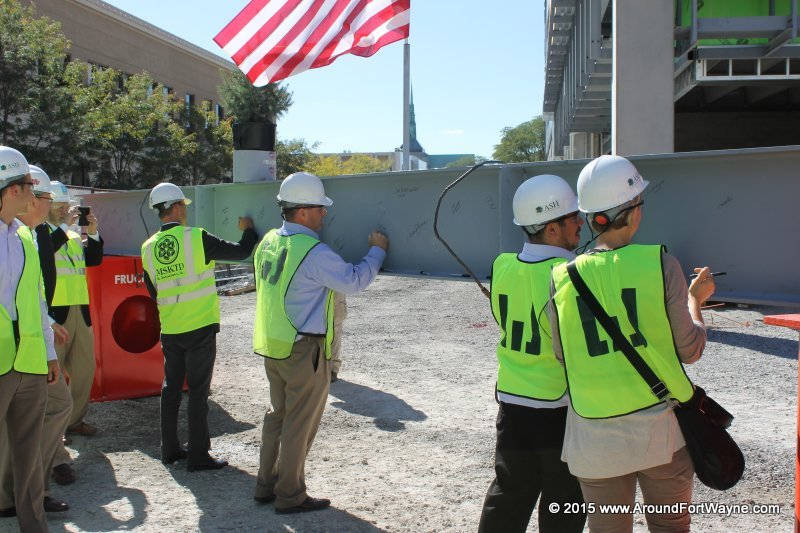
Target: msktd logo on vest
[{"x": 167, "y": 248}]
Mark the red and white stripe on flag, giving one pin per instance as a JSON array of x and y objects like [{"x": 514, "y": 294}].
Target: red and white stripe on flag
[{"x": 273, "y": 39}]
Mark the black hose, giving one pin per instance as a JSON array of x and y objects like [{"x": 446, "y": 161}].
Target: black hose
[{"x": 484, "y": 290}]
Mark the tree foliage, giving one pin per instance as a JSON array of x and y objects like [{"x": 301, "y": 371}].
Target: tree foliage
[
  {"x": 247, "y": 103},
  {"x": 522, "y": 143},
  {"x": 335, "y": 165},
  {"x": 292, "y": 156},
  {"x": 112, "y": 129},
  {"x": 35, "y": 110}
]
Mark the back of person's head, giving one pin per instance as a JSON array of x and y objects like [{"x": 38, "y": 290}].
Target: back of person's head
[
  {"x": 540, "y": 200},
  {"x": 608, "y": 188}
]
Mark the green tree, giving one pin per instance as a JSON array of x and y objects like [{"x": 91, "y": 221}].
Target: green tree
[
  {"x": 128, "y": 135},
  {"x": 334, "y": 165},
  {"x": 210, "y": 158},
  {"x": 292, "y": 156},
  {"x": 522, "y": 143},
  {"x": 36, "y": 114},
  {"x": 245, "y": 103}
]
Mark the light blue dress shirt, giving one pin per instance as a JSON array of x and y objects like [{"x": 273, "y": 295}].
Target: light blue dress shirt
[
  {"x": 12, "y": 257},
  {"x": 324, "y": 269}
]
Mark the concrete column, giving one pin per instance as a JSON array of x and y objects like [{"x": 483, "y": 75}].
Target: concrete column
[
  {"x": 642, "y": 108},
  {"x": 567, "y": 152},
  {"x": 579, "y": 145}
]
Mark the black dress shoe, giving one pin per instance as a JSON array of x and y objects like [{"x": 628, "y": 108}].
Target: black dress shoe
[
  {"x": 8, "y": 512},
  {"x": 168, "y": 459},
  {"x": 52, "y": 505},
  {"x": 208, "y": 464},
  {"x": 310, "y": 504},
  {"x": 264, "y": 499}
]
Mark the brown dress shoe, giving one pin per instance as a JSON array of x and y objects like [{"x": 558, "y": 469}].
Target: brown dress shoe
[
  {"x": 309, "y": 504},
  {"x": 82, "y": 428},
  {"x": 63, "y": 474}
]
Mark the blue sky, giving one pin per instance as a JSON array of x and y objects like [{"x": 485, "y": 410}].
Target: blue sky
[{"x": 476, "y": 67}]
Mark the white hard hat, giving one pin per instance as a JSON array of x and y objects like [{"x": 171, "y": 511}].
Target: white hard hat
[
  {"x": 607, "y": 182},
  {"x": 41, "y": 181},
  {"x": 168, "y": 194},
  {"x": 13, "y": 166},
  {"x": 302, "y": 188},
  {"x": 541, "y": 199},
  {"x": 60, "y": 192}
]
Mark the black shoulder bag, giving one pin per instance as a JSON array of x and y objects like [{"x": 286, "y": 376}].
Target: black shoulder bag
[{"x": 718, "y": 461}]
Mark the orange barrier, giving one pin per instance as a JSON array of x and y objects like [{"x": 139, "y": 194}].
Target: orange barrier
[
  {"x": 793, "y": 322},
  {"x": 128, "y": 356}
]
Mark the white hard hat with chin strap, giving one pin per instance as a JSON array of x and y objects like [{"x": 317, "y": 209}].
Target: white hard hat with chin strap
[
  {"x": 41, "y": 181},
  {"x": 543, "y": 199},
  {"x": 302, "y": 189},
  {"x": 607, "y": 182},
  {"x": 167, "y": 194}
]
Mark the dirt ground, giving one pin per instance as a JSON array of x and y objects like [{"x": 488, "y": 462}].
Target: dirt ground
[{"x": 406, "y": 442}]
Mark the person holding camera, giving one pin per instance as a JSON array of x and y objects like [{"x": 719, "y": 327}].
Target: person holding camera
[
  {"x": 70, "y": 308},
  {"x": 619, "y": 432}
]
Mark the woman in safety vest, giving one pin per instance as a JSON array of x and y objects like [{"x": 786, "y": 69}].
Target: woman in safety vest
[{"x": 618, "y": 432}]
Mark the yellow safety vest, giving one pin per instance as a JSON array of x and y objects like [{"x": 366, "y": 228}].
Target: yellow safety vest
[
  {"x": 629, "y": 284},
  {"x": 29, "y": 354},
  {"x": 186, "y": 290},
  {"x": 276, "y": 260},
  {"x": 527, "y": 366},
  {"x": 71, "y": 288}
]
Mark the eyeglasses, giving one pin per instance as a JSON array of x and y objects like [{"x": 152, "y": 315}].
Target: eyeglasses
[
  {"x": 46, "y": 198},
  {"x": 24, "y": 183}
]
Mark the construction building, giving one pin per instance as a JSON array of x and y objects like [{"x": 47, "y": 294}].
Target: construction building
[{"x": 664, "y": 76}]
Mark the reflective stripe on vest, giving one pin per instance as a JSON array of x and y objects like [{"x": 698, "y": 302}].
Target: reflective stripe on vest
[
  {"x": 527, "y": 366},
  {"x": 186, "y": 290},
  {"x": 629, "y": 284},
  {"x": 276, "y": 260},
  {"x": 30, "y": 355},
  {"x": 71, "y": 287}
]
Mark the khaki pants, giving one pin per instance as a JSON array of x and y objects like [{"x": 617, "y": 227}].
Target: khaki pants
[
  {"x": 298, "y": 390},
  {"x": 339, "y": 314},
  {"x": 22, "y": 404},
  {"x": 77, "y": 357},
  {"x": 661, "y": 485},
  {"x": 56, "y": 415}
]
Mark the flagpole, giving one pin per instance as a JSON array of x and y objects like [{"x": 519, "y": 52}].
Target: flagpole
[{"x": 406, "y": 105}]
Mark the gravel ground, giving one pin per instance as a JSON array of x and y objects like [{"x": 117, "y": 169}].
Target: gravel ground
[{"x": 407, "y": 439}]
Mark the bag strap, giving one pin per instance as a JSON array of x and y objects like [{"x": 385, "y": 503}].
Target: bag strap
[{"x": 656, "y": 385}]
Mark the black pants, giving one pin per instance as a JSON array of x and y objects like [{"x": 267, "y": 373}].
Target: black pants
[
  {"x": 191, "y": 356},
  {"x": 528, "y": 464}
]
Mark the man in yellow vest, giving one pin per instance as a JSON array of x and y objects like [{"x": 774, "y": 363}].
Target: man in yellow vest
[
  {"x": 296, "y": 275},
  {"x": 27, "y": 357},
  {"x": 70, "y": 308},
  {"x": 531, "y": 386},
  {"x": 59, "y": 402},
  {"x": 179, "y": 266},
  {"x": 619, "y": 432}
]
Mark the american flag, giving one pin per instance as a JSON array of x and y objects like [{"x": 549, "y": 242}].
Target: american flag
[{"x": 273, "y": 39}]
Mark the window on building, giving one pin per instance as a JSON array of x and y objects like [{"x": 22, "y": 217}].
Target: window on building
[{"x": 219, "y": 112}]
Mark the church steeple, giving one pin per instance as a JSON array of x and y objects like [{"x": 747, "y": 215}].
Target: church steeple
[{"x": 415, "y": 147}]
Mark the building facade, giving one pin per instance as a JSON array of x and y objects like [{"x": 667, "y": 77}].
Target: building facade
[
  {"x": 105, "y": 36},
  {"x": 659, "y": 76}
]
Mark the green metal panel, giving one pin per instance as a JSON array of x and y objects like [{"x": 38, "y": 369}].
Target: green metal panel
[{"x": 730, "y": 9}]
